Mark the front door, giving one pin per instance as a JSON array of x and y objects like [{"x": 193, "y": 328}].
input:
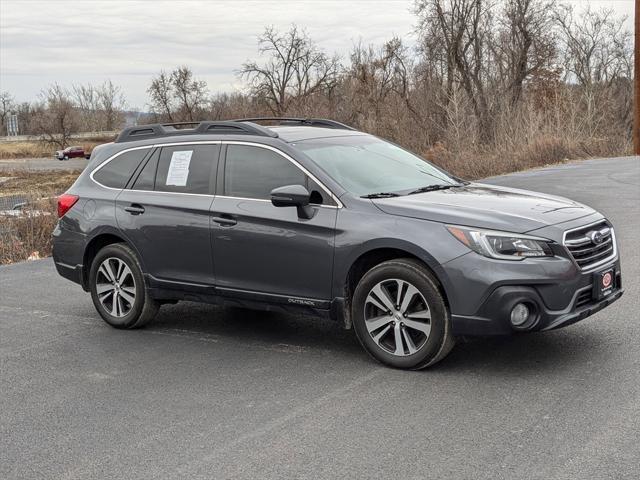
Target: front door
[
  {"x": 165, "y": 214},
  {"x": 264, "y": 249}
]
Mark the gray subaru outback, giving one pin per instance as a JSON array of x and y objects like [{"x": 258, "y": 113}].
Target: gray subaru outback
[{"x": 311, "y": 215}]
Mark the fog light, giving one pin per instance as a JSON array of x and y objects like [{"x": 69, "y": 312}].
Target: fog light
[{"x": 519, "y": 315}]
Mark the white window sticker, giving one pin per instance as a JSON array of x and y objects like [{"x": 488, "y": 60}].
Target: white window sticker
[{"x": 179, "y": 168}]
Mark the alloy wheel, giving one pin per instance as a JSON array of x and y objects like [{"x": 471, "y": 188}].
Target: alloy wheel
[
  {"x": 116, "y": 287},
  {"x": 397, "y": 317}
]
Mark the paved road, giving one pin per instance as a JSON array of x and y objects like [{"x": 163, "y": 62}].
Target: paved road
[
  {"x": 219, "y": 393},
  {"x": 43, "y": 164}
]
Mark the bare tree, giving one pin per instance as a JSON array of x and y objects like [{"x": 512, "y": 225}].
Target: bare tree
[
  {"x": 596, "y": 46},
  {"x": 6, "y": 106},
  {"x": 112, "y": 103},
  {"x": 178, "y": 96},
  {"x": 190, "y": 94},
  {"x": 27, "y": 112},
  {"x": 161, "y": 93},
  {"x": 59, "y": 119},
  {"x": 488, "y": 49},
  {"x": 489, "y": 77},
  {"x": 462, "y": 28},
  {"x": 295, "y": 70},
  {"x": 86, "y": 100},
  {"x": 526, "y": 46},
  {"x": 100, "y": 107},
  {"x": 380, "y": 76}
]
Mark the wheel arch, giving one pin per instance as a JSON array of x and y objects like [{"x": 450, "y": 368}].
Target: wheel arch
[
  {"x": 376, "y": 253},
  {"x": 98, "y": 242}
]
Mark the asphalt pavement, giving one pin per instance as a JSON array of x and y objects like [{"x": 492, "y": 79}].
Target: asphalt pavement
[{"x": 206, "y": 392}]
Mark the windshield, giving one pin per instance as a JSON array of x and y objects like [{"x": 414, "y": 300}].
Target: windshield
[{"x": 365, "y": 165}]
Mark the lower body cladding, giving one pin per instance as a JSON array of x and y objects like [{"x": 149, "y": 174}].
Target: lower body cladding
[
  {"x": 168, "y": 291},
  {"x": 504, "y": 297}
]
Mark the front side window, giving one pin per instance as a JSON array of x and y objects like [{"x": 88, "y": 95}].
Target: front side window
[
  {"x": 116, "y": 172},
  {"x": 186, "y": 169},
  {"x": 365, "y": 165},
  {"x": 252, "y": 172}
]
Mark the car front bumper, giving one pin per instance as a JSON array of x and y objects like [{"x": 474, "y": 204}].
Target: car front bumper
[
  {"x": 482, "y": 293},
  {"x": 493, "y": 317}
]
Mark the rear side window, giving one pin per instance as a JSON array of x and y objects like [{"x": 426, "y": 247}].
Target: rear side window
[
  {"x": 187, "y": 169},
  {"x": 117, "y": 172},
  {"x": 252, "y": 172}
]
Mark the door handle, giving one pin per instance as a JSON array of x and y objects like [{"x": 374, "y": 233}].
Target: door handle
[
  {"x": 134, "y": 209},
  {"x": 224, "y": 220}
]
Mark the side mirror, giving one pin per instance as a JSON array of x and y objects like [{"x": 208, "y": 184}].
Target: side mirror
[{"x": 293, "y": 196}]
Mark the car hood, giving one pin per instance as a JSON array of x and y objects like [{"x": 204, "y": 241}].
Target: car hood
[{"x": 486, "y": 206}]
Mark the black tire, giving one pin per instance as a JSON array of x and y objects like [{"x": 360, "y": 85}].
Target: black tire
[
  {"x": 142, "y": 309},
  {"x": 436, "y": 344}
]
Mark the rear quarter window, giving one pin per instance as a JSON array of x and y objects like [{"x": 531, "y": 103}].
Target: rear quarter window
[{"x": 117, "y": 172}]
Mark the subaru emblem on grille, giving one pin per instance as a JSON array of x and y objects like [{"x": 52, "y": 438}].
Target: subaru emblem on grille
[{"x": 596, "y": 236}]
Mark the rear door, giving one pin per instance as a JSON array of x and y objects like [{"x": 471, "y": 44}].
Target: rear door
[
  {"x": 264, "y": 249},
  {"x": 164, "y": 212}
]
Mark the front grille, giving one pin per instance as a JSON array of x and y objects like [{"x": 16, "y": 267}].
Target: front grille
[{"x": 591, "y": 245}]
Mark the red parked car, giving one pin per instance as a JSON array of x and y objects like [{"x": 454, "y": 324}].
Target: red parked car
[{"x": 71, "y": 152}]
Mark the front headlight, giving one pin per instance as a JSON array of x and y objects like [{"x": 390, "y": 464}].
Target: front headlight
[{"x": 502, "y": 245}]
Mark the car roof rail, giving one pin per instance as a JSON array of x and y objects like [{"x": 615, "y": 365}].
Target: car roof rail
[
  {"x": 309, "y": 122},
  {"x": 158, "y": 130}
]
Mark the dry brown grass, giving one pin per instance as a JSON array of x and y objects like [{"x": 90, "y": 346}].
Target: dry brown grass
[
  {"x": 28, "y": 235},
  {"x": 24, "y": 181},
  {"x": 39, "y": 149},
  {"x": 11, "y": 150},
  {"x": 543, "y": 151}
]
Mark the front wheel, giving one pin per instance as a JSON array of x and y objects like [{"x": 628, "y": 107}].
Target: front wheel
[
  {"x": 117, "y": 288},
  {"x": 400, "y": 316}
]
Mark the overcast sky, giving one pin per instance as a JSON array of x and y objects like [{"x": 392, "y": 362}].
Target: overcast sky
[{"x": 129, "y": 41}]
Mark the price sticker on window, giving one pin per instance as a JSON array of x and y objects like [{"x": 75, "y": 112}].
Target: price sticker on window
[{"x": 179, "y": 168}]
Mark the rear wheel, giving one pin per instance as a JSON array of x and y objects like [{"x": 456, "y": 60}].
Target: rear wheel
[
  {"x": 117, "y": 288},
  {"x": 400, "y": 316}
]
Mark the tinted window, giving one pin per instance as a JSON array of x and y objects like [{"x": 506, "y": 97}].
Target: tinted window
[
  {"x": 117, "y": 172},
  {"x": 187, "y": 168},
  {"x": 146, "y": 178},
  {"x": 252, "y": 172}
]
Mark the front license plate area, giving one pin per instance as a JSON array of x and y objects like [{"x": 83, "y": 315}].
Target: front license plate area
[{"x": 603, "y": 283}]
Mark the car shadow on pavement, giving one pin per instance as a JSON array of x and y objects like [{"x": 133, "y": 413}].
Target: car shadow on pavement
[
  {"x": 519, "y": 354},
  {"x": 533, "y": 353},
  {"x": 254, "y": 326}
]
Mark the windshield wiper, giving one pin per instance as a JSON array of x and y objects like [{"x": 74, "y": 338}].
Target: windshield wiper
[
  {"x": 432, "y": 188},
  {"x": 381, "y": 195}
]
